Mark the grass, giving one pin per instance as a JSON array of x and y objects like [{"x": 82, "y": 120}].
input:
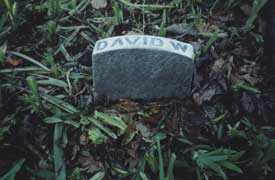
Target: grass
[
  {"x": 12, "y": 172},
  {"x": 11, "y": 9},
  {"x": 46, "y": 93}
]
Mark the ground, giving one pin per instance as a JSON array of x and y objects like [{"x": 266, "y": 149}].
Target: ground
[{"x": 50, "y": 127}]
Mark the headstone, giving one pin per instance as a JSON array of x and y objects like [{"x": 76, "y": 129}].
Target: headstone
[{"x": 142, "y": 67}]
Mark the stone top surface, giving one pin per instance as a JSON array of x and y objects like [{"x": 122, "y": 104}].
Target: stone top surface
[{"x": 144, "y": 42}]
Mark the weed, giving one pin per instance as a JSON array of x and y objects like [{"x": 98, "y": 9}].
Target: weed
[
  {"x": 49, "y": 58},
  {"x": 216, "y": 161},
  {"x": 257, "y": 6},
  {"x": 11, "y": 8},
  {"x": 52, "y": 31},
  {"x": 54, "y": 8},
  {"x": 59, "y": 163},
  {"x": 118, "y": 14},
  {"x": 162, "y": 31},
  {"x": 2, "y": 56}
]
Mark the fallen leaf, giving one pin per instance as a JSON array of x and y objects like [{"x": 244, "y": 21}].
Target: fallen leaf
[
  {"x": 75, "y": 150},
  {"x": 83, "y": 140},
  {"x": 241, "y": 51},
  {"x": 13, "y": 62},
  {"x": 218, "y": 65},
  {"x": 99, "y": 4},
  {"x": 183, "y": 28},
  {"x": 251, "y": 80},
  {"x": 89, "y": 164},
  {"x": 204, "y": 95},
  {"x": 127, "y": 106},
  {"x": 144, "y": 130},
  {"x": 247, "y": 102}
]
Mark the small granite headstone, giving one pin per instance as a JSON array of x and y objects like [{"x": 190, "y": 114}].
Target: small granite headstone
[{"x": 142, "y": 67}]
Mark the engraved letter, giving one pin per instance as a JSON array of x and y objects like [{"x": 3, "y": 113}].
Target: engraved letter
[
  {"x": 132, "y": 42},
  {"x": 178, "y": 46},
  {"x": 117, "y": 41},
  {"x": 101, "y": 45},
  {"x": 145, "y": 40},
  {"x": 156, "y": 42}
]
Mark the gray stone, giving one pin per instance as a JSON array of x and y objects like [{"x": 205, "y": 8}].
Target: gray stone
[{"x": 142, "y": 67}]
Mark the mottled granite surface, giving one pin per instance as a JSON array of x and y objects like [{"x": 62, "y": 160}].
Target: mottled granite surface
[{"x": 141, "y": 74}]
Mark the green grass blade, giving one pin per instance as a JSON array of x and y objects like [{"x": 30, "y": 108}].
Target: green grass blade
[
  {"x": 12, "y": 173},
  {"x": 24, "y": 69},
  {"x": 217, "y": 168},
  {"x": 102, "y": 127},
  {"x": 30, "y": 60},
  {"x": 118, "y": 14},
  {"x": 211, "y": 41},
  {"x": 113, "y": 121},
  {"x": 147, "y": 6},
  {"x": 60, "y": 103},
  {"x": 161, "y": 168},
  {"x": 96, "y": 136},
  {"x": 34, "y": 89},
  {"x": 53, "y": 82},
  {"x": 52, "y": 120},
  {"x": 98, "y": 176},
  {"x": 231, "y": 166},
  {"x": 243, "y": 86},
  {"x": 162, "y": 31},
  {"x": 3, "y": 21},
  {"x": 143, "y": 176},
  {"x": 214, "y": 158},
  {"x": 33, "y": 86},
  {"x": 257, "y": 6},
  {"x": 59, "y": 163},
  {"x": 170, "y": 170},
  {"x": 7, "y": 3},
  {"x": 49, "y": 58}
]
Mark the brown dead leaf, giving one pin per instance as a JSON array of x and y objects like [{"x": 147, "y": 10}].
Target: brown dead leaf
[
  {"x": 127, "y": 106},
  {"x": 132, "y": 150},
  {"x": 247, "y": 102},
  {"x": 218, "y": 66},
  {"x": 153, "y": 119},
  {"x": 205, "y": 95},
  {"x": 13, "y": 62},
  {"x": 251, "y": 80},
  {"x": 223, "y": 17},
  {"x": 75, "y": 150},
  {"x": 241, "y": 51},
  {"x": 172, "y": 123},
  {"x": 89, "y": 164}
]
